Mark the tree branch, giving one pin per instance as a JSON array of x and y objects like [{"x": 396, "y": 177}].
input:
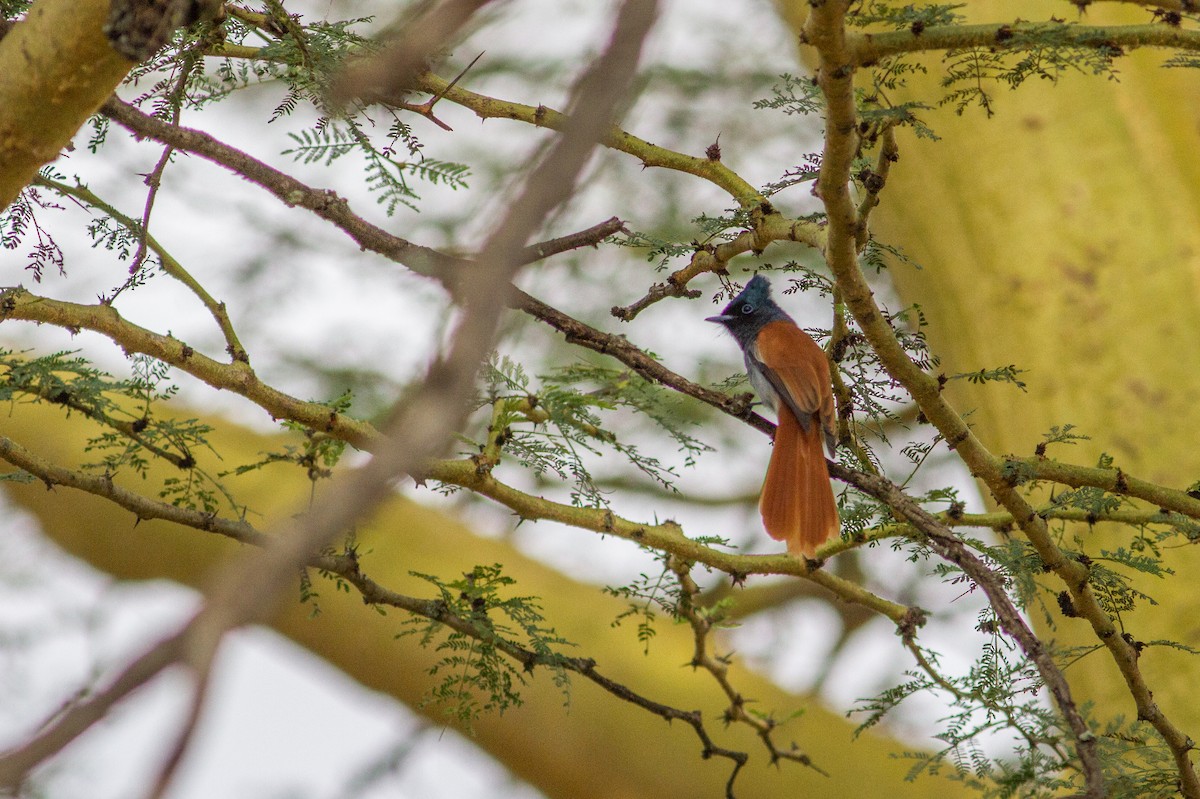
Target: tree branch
[
  {"x": 57, "y": 51},
  {"x": 236, "y": 376},
  {"x": 170, "y": 265},
  {"x": 248, "y": 590},
  {"x": 825, "y": 30},
  {"x": 767, "y": 226},
  {"x": 868, "y": 48},
  {"x": 718, "y": 666},
  {"x": 664, "y": 537},
  {"x": 650, "y": 155},
  {"x": 1115, "y": 481}
]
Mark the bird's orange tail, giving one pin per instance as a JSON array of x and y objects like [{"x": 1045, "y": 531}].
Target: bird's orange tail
[{"x": 797, "y": 502}]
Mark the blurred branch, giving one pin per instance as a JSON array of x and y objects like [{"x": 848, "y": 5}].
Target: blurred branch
[
  {"x": 53, "y": 737},
  {"x": 389, "y": 73},
  {"x": 249, "y": 589},
  {"x": 750, "y": 600}
]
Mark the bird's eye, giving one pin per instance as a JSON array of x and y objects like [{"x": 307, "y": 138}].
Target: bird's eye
[{"x": 747, "y": 309}]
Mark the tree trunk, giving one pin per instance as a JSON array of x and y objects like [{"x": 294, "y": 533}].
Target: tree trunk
[
  {"x": 1063, "y": 236},
  {"x": 57, "y": 69}
]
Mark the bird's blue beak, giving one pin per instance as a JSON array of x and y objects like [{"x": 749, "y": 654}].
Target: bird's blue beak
[{"x": 721, "y": 319}]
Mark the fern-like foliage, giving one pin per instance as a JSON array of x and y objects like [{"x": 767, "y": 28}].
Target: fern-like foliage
[
  {"x": 797, "y": 175},
  {"x": 1001, "y": 374},
  {"x": 14, "y": 9},
  {"x": 385, "y": 176},
  {"x": 133, "y": 433},
  {"x": 553, "y": 426},
  {"x": 706, "y": 229},
  {"x": 1047, "y": 52},
  {"x": 890, "y": 16},
  {"x": 648, "y": 596},
  {"x": 794, "y": 96},
  {"x": 317, "y": 454},
  {"x": 475, "y": 673},
  {"x": 20, "y": 227},
  {"x": 999, "y": 692}
]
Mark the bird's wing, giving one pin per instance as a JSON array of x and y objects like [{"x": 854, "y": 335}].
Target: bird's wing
[{"x": 796, "y": 367}]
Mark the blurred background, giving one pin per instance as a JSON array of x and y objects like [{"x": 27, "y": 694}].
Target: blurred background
[{"x": 320, "y": 317}]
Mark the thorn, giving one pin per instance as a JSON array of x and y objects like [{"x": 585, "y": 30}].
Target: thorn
[{"x": 425, "y": 109}]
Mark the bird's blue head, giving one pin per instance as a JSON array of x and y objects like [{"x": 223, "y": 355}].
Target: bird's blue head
[{"x": 748, "y": 312}]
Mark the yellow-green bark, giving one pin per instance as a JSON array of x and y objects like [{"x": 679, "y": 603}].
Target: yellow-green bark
[
  {"x": 57, "y": 69},
  {"x": 1063, "y": 235}
]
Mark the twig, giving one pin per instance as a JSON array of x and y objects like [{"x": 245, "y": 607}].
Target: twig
[
  {"x": 650, "y": 155},
  {"x": 767, "y": 226},
  {"x": 141, "y": 507},
  {"x": 665, "y": 536},
  {"x": 57, "y": 395},
  {"x": 201, "y": 679},
  {"x": 169, "y": 264},
  {"x": 875, "y": 181},
  {"x": 425, "y": 109},
  {"x": 154, "y": 178},
  {"x": 390, "y": 72},
  {"x": 584, "y": 335},
  {"x": 15, "y": 764},
  {"x": 589, "y": 237},
  {"x": 718, "y": 667}
]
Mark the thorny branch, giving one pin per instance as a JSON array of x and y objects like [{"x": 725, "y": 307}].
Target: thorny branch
[
  {"x": 249, "y": 589},
  {"x": 767, "y": 226},
  {"x": 943, "y": 541},
  {"x": 825, "y": 30},
  {"x": 170, "y": 265},
  {"x": 15, "y": 763},
  {"x": 868, "y": 48},
  {"x": 327, "y": 205},
  {"x": 706, "y": 658},
  {"x": 840, "y": 51}
]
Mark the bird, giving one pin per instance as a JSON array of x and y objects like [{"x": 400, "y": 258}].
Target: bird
[{"x": 789, "y": 372}]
